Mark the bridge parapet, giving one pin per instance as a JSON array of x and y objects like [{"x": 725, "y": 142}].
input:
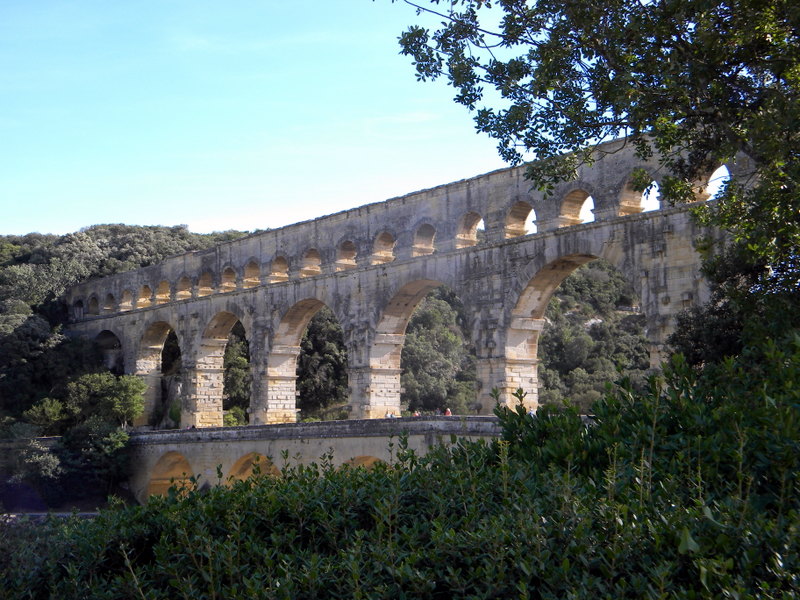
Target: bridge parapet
[
  {"x": 372, "y": 266},
  {"x": 416, "y": 225},
  {"x": 161, "y": 456}
]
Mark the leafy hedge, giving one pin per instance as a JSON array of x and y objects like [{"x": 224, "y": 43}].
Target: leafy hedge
[{"x": 687, "y": 491}]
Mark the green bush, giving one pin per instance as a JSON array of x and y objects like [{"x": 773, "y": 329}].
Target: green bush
[{"x": 688, "y": 490}]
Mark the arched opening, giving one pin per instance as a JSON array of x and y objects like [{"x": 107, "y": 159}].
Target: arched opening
[
  {"x": 307, "y": 360},
  {"x": 632, "y": 201},
  {"x": 322, "y": 369},
  {"x": 364, "y": 462},
  {"x": 110, "y": 303},
  {"x": 376, "y": 392},
  {"x": 158, "y": 362},
  {"x": 712, "y": 187},
  {"x": 237, "y": 379},
  {"x": 228, "y": 283},
  {"x": 205, "y": 386},
  {"x": 127, "y": 301},
  {"x": 469, "y": 228},
  {"x": 383, "y": 249},
  {"x": 171, "y": 469},
  {"x": 279, "y": 270},
  {"x": 252, "y": 274},
  {"x": 77, "y": 310},
  {"x": 438, "y": 358},
  {"x": 145, "y": 298},
  {"x": 577, "y": 207},
  {"x": 576, "y": 324},
  {"x": 183, "y": 290},
  {"x": 651, "y": 198},
  {"x": 346, "y": 256},
  {"x": 312, "y": 263},
  {"x": 423, "y": 240},
  {"x": 163, "y": 293},
  {"x": 94, "y": 306},
  {"x": 249, "y": 465},
  {"x": 111, "y": 350},
  {"x": 521, "y": 220},
  {"x": 205, "y": 285}
]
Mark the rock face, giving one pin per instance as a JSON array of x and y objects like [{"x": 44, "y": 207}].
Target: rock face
[{"x": 372, "y": 265}]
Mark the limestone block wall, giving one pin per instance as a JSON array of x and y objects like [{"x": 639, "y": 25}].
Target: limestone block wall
[
  {"x": 158, "y": 457},
  {"x": 372, "y": 265}
]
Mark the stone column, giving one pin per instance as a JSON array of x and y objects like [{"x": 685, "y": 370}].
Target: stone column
[
  {"x": 374, "y": 374},
  {"x": 149, "y": 370},
  {"x": 201, "y": 404},
  {"x": 274, "y": 393},
  {"x": 507, "y": 375},
  {"x": 374, "y": 392},
  {"x": 510, "y": 365}
]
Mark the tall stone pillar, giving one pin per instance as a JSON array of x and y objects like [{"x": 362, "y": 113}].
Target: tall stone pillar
[
  {"x": 507, "y": 362},
  {"x": 149, "y": 370},
  {"x": 374, "y": 392},
  {"x": 507, "y": 375},
  {"x": 274, "y": 392},
  {"x": 201, "y": 403},
  {"x": 374, "y": 373}
]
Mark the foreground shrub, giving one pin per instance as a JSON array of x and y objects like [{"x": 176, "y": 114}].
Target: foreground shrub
[{"x": 687, "y": 491}]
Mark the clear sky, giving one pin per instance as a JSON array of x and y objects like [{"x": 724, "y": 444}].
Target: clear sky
[{"x": 218, "y": 115}]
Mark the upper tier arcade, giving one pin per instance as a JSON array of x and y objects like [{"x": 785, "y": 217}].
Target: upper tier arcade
[{"x": 501, "y": 246}]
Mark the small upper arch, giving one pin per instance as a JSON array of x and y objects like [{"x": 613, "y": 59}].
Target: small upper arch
[
  {"x": 145, "y": 297},
  {"x": 519, "y": 218},
  {"x": 228, "y": 280},
  {"x": 163, "y": 292},
  {"x": 279, "y": 269},
  {"x": 93, "y": 308},
  {"x": 183, "y": 289},
  {"x": 424, "y": 240},
  {"x": 205, "y": 284},
  {"x": 126, "y": 303},
  {"x": 252, "y": 274},
  {"x": 110, "y": 303},
  {"x": 78, "y": 310},
  {"x": 311, "y": 264},
  {"x": 576, "y": 208},
  {"x": 467, "y": 230},
  {"x": 383, "y": 248},
  {"x": 346, "y": 253}
]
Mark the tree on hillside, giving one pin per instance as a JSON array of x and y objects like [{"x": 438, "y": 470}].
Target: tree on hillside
[
  {"x": 438, "y": 361},
  {"x": 692, "y": 84},
  {"x": 322, "y": 365}
]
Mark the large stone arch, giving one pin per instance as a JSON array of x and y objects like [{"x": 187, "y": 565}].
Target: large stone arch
[
  {"x": 148, "y": 366},
  {"x": 375, "y": 386},
  {"x": 515, "y": 365},
  {"x": 172, "y": 468},
  {"x": 278, "y": 401},
  {"x": 250, "y": 464},
  {"x": 111, "y": 348},
  {"x": 202, "y": 405}
]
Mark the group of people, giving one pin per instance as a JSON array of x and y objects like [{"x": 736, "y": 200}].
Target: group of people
[{"x": 447, "y": 413}]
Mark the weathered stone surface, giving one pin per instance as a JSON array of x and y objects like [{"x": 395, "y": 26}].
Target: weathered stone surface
[
  {"x": 159, "y": 457},
  {"x": 372, "y": 265}
]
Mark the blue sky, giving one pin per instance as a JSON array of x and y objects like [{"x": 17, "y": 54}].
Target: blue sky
[{"x": 218, "y": 115}]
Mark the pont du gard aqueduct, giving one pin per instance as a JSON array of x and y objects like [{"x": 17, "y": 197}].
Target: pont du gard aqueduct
[{"x": 372, "y": 265}]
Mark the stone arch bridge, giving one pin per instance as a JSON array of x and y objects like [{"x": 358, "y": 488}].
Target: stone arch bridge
[
  {"x": 372, "y": 265},
  {"x": 222, "y": 455}
]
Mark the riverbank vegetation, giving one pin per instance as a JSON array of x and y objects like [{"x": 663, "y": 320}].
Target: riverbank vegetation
[{"x": 688, "y": 490}]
